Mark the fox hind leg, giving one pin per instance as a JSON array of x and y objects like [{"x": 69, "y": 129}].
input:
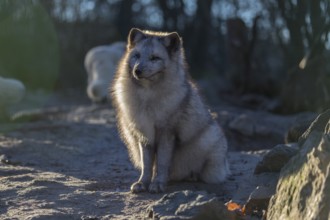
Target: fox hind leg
[{"x": 215, "y": 170}]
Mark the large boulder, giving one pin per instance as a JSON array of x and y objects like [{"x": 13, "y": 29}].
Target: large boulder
[
  {"x": 11, "y": 91},
  {"x": 303, "y": 190}
]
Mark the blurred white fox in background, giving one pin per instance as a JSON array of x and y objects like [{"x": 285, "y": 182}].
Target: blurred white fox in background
[{"x": 101, "y": 64}]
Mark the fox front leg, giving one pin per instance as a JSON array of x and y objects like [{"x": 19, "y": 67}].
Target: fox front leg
[
  {"x": 163, "y": 162},
  {"x": 146, "y": 156}
]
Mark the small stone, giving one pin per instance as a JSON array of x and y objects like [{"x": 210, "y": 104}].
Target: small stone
[
  {"x": 214, "y": 210},
  {"x": 276, "y": 158},
  {"x": 259, "y": 199},
  {"x": 4, "y": 159},
  {"x": 89, "y": 217}
]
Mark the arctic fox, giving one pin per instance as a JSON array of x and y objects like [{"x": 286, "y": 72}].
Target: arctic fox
[
  {"x": 169, "y": 133},
  {"x": 100, "y": 64}
]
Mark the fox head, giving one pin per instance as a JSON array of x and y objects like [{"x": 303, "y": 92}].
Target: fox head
[{"x": 152, "y": 54}]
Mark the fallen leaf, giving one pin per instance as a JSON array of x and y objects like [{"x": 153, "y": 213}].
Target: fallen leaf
[{"x": 232, "y": 206}]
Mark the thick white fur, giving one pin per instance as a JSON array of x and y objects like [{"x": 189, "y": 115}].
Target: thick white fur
[
  {"x": 11, "y": 91},
  {"x": 101, "y": 64},
  {"x": 165, "y": 115}
]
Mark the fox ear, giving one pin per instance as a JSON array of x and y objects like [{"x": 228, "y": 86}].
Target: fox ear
[
  {"x": 134, "y": 36},
  {"x": 173, "y": 42}
]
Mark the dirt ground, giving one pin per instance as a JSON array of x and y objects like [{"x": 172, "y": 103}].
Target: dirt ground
[{"x": 68, "y": 162}]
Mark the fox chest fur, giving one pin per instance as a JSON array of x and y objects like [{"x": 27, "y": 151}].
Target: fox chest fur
[{"x": 147, "y": 110}]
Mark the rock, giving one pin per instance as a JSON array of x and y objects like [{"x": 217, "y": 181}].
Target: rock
[
  {"x": 300, "y": 125},
  {"x": 259, "y": 199},
  {"x": 304, "y": 184},
  {"x": 276, "y": 158},
  {"x": 318, "y": 125},
  {"x": 253, "y": 130},
  {"x": 12, "y": 91},
  {"x": 243, "y": 124},
  {"x": 259, "y": 102},
  {"x": 250, "y": 126},
  {"x": 215, "y": 210},
  {"x": 4, "y": 159},
  {"x": 180, "y": 205}
]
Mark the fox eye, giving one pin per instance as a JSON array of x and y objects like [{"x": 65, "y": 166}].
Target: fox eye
[
  {"x": 137, "y": 56},
  {"x": 154, "y": 58}
]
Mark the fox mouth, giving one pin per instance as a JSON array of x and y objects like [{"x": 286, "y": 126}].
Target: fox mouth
[{"x": 150, "y": 77}]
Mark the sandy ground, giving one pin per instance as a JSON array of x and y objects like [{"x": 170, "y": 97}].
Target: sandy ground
[{"x": 69, "y": 163}]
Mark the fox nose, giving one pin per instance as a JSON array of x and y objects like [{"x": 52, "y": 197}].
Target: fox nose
[{"x": 138, "y": 72}]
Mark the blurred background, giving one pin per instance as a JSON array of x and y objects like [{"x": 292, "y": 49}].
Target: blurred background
[{"x": 261, "y": 50}]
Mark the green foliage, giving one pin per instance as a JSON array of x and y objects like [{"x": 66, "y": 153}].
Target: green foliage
[{"x": 28, "y": 44}]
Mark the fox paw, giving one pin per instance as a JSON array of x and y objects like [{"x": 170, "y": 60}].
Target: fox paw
[
  {"x": 138, "y": 187},
  {"x": 157, "y": 187}
]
